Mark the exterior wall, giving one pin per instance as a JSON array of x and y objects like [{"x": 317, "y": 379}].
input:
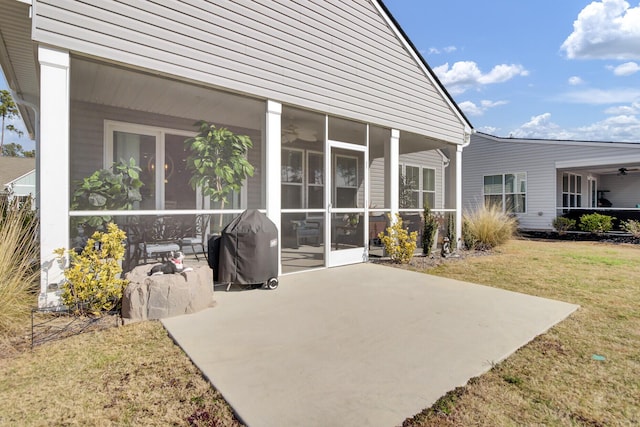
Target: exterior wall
[
  {"x": 627, "y": 189},
  {"x": 488, "y": 155},
  {"x": 25, "y": 185},
  {"x": 338, "y": 57}
]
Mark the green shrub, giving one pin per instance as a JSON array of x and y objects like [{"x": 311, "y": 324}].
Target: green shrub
[
  {"x": 487, "y": 227},
  {"x": 632, "y": 227},
  {"x": 429, "y": 228},
  {"x": 451, "y": 227},
  {"x": 19, "y": 272},
  {"x": 399, "y": 244},
  {"x": 93, "y": 282},
  {"x": 562, "y": 224},
  {"x": 596, "y": 223}
]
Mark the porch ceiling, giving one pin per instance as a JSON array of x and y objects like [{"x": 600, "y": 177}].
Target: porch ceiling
[
  {"x": 17, "y": 56},
  {"x": 104, "y": 84}
]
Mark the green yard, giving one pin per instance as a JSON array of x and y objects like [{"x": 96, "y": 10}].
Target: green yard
[{"x": 135, "y": 375}]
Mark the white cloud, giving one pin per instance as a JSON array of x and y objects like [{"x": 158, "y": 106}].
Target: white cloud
[
  {"x": 437, "y": 51},
  {"x": 634, "y": 108},
  {"x": 472, "y": 109},
  {"x": 607, "y": 29},
  {"x": 626, "y": 69},
  {"x": 575, "y": 81},
  {"x": 618, "y": 128},
  {"x": 601, "y": 96},
  {"x": 463, "y": 75}
]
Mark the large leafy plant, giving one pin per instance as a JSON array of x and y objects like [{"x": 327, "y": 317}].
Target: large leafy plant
[
  {"x": 115, "y": 188},
  {"x": 218, "y": 161}
]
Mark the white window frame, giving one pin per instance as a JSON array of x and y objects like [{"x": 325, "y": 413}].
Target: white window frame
[
  {"x": 335, "y": 171},
  {"x": 420, "y": 190},
  {"x": 308, "y": 184},
  {"x": 571, "y": 201},
  {"x": 300, "y": 184},
  {"x": 111, "y": 126},
  {"x": 504, "y": 193}
]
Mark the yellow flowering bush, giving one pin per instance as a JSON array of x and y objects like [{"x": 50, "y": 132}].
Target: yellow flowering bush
[
  {"x": 93, "y": 282},
  {"x": 399, "y": 244}
]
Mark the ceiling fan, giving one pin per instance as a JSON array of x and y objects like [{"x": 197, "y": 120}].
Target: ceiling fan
[
  {"x": 624, "y": 171},
  {"x": 292, "y": 132}
]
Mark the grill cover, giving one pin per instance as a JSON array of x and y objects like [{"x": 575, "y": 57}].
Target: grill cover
[{"x": 246, "y": 251}]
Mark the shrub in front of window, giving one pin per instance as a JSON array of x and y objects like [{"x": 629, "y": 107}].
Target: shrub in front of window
[
  {"x": 631, "y": 226},
  {"x": 429, "y": 228},
  {"x": 563, "y": 224},
  {"x": 399, "y": 244},
  {"x": 596, "y": 223},
  {"x": 487, "y": 227}
]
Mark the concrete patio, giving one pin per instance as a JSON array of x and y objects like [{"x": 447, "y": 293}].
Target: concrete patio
[{"x": 359, "y": 345}]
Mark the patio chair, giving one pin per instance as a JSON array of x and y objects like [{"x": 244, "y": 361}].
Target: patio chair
[
  {"x": 306, "y": 230},
  {"x": 160, "y": 237},
  {"x": 194, "y": 235}
]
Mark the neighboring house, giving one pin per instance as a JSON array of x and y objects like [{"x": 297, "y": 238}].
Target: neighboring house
[
  {"x": 18, "y": 177},
  {"x": 539, "y": 179},
  {"x": 333, "y": 95}
]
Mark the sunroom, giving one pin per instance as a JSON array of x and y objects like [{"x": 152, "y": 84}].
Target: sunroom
[{"x": 346, "y": 123}]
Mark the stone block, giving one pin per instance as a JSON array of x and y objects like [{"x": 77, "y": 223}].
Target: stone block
[{"x": 167, "y": 295}]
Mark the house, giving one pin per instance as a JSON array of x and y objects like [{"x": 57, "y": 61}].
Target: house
[
  {"x": 539, "y": 179},
  {"x": 332, "y": 95},
  {"x": 17, "y": 177}
]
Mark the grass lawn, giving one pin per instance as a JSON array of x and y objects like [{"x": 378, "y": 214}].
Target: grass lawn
[
  {"x": 555, "y": 380},
  {"x": 135, "y": 375}
]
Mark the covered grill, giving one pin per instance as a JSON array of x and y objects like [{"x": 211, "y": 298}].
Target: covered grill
[{"x": 246, "y": 252}]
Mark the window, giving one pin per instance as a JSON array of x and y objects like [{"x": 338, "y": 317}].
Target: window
[
  {"x": 571, "y": 190},
  {"x": 291, "y": 178},
  {"x": 346, "y": 181},
  {"x": 302, "y": 182},
  {"x": 315, "y": 180},
  {"x": 509, "y": 191},
  {"x": 417, "y": 187}
]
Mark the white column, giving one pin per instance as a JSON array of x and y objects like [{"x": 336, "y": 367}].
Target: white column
[
  {"x": 54, "y": 167},
  {"x": 273, "y": 143},
  {"x": 392, "y": 156},
  {"x": 458, "y": 195}
]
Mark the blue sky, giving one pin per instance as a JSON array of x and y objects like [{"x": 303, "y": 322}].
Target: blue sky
[
  {"x": 10, "y": 137},
  {"x": 558, "y": 69}
]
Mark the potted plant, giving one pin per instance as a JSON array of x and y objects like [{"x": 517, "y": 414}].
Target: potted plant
[
  {"x": 218, "y": 162},
  {"x": 114, "y": 188}
]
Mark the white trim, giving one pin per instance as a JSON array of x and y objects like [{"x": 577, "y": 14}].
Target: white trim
[
  {"x": 420, "y": 63},
  {"x": 602, "y": 144},
  {"x": 458, "y": 206},
  {"x": 600, "y": 161},
  {"x": 273, "y": 151},
  {"x": 392, "y": 153},
  {"x": 53, "y": 173}
]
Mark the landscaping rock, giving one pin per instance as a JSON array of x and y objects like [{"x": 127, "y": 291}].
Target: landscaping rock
[{"x": 167, "y": 295}]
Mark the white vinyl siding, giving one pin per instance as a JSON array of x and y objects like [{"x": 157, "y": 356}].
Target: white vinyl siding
[
  {"x": 326, "y": 56},
  {"x": 487, "y": 155}
]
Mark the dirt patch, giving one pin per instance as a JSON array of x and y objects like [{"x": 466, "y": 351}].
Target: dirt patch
[{"x": 422, "y": 262}]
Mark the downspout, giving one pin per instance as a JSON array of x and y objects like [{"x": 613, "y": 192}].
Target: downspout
[{"x": 467, "y": 140}]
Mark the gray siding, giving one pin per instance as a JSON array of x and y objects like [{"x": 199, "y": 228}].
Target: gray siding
[
  {"x": 428, "y": 159},
  {"x": 339, "y": 57},
  {"x": 489, "y": 156}
]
